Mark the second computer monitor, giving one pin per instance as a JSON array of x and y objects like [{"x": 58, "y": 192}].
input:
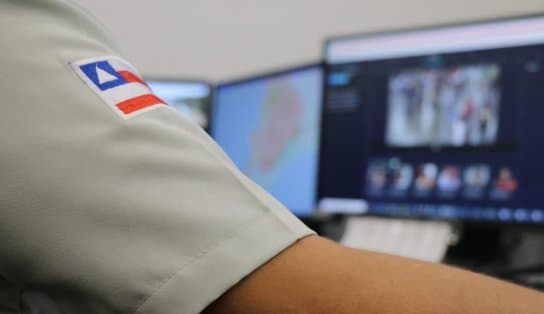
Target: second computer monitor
[
  {"x": 443, "y": 122},
  {"x": 270, "y": 126}
]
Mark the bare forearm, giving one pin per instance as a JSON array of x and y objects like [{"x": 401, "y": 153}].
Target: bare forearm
[{"x": 319, "y": 276}]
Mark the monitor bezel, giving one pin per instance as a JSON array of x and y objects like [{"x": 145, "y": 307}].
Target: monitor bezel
[
  {"x": 423, "y": 27},
  {"x": 267, "y": 74}
]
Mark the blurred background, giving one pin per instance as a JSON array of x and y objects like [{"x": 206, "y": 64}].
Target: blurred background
[
  {"x": 422, "y": 143},
  {"x": 222, "y": 40}
]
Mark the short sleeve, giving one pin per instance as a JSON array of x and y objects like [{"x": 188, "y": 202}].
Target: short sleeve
[{"x": 108, "y": 213}]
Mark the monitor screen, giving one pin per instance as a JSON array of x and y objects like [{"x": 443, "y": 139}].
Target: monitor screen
[
  {"x": 441, "y": 123},
  {"x": 191, "y": 98},
  {"x": 270, "y": 126}
]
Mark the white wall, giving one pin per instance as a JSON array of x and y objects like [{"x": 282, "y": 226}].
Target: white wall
[{"x": 224, "y": 39}]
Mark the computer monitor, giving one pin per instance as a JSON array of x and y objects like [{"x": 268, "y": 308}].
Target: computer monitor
[
  {"x": 443, "y": 122},
  {"x": 269, "y": 126},
  {"x": 191, "y": 98}
]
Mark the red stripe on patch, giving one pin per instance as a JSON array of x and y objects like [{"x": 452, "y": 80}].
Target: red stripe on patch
[
  {"x": 131, "y": 77},
  {"x": 138, "y": 103}
]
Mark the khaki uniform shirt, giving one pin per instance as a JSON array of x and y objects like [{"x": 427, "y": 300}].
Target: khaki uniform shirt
[{"x": 112, "y": 209}]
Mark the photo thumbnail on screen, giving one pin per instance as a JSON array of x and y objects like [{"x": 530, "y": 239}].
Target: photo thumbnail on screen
[{"x": 457, "y": 106}]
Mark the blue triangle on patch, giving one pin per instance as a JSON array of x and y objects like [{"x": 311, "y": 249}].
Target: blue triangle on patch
[{"x": 103, "y": 75}]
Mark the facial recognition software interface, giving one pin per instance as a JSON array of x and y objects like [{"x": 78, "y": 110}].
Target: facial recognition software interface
[
  {"x": 270, "y": 126},
  {"x": 191, "y": 99},
  {"x": 443, "y": 123}
]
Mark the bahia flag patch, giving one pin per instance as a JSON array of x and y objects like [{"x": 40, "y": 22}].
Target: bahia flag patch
[{"x": 118, "y": 84}]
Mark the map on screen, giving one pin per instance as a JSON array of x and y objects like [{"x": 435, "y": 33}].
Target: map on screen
[{"x": 269, "y": 127}]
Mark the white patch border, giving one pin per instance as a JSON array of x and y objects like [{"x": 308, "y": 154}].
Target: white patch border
[{"x": 75, "y": 65}]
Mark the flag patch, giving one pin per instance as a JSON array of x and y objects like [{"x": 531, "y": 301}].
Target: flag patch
[{"x": 118, "y": 84}]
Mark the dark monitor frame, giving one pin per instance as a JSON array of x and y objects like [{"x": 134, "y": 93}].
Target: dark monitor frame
[
  {"x": 511, "y": 225},
  {"x": 425, "y": 27},
  {"x": 267, "y": 75}
]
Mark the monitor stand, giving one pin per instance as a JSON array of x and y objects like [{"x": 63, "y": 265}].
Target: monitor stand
[
  {"x": 514, "y": 253},
  {"x": 477, "y": 247}
]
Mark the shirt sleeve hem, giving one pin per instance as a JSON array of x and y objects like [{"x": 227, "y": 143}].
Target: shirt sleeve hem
[{"x": 219, "y": 268}]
